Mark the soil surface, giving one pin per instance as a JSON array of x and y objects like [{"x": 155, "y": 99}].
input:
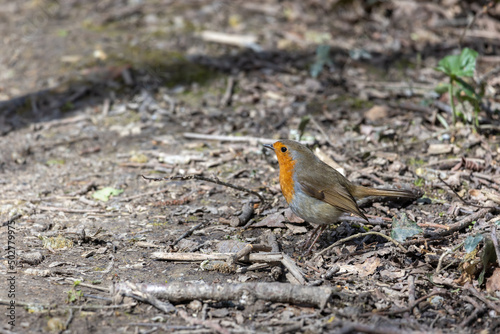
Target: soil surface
[{"x": 97, "y": 99}]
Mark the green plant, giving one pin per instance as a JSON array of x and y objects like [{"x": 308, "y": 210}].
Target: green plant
[{"x": 457, "y": 68}]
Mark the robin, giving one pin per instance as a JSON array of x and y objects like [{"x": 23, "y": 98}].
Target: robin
[{"x": 315, "y": 191}]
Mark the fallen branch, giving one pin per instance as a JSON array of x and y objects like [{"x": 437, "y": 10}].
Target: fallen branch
[
  {"x": 244, "y": 293},
  {"x": 202, "y": 178},
  {"x": 461, "y": 224}
]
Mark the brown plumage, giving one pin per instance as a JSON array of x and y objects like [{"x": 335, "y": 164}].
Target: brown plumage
[{"x": 315, "y": 191}]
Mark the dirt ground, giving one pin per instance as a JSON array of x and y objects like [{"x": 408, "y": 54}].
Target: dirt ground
[{"x": 98, "y": 96}]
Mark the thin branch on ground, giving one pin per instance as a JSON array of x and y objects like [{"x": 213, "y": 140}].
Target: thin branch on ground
[
  {"x": 11, "y": 220},
  {"x": 448, "y": 252},
  {"x": 355, "y": 236},
  {"x": 199, "y": 257},
  {"x": 478, "y": 309},
  {"x": 245, "y": 251},
  {"x": 482, "y": 298},
  {"x": 494, "y": 238},
  {"x": 463, "y": 200},
  {"x": 68, "y": 210},
  {"x": 203, "y": 178},
  {"x": 406, "y": 309},
  {"x": 461, "y": 224},
  {"x": 188, "y": 233},
  {"x": 293, "y": 269}
]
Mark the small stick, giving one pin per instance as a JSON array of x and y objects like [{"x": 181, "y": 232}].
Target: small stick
[
  {"x": 91, "y": 286},
  {"x": 495, "y": 241},
  {"x": 433, "y": 225},
  {"x": 479, "y": 296},
  {"x": 199, "y": 257},
  {"x": 449, "y": 251},
  {"x": 406, "y": 309},
  {"x": 202, "y": 178},
  {"x": 67, "y": 210},
  {"x": 244, "y": 217},
  {"x": 332, "y": 271},
  {"x": 69, "y": 320},
  {"x": 463, "y": 200},
  {"x": 249, "y": 248},
  {"x": 273, "y": 242},
  {"x": 355, "y": 236},
  {"x": 11, "y": 220},
  {"x": 461, "y": 224},
  {"x": 202, "y": 136},
  {"x": 478, "y": 309},
  {"x": 226, "y": 98},
  {"x": 293, "y": 269},
  {"x": 411, "y": 294},
  {"x": 187, "y": 233},
  {"x": 110, "y": 265}
]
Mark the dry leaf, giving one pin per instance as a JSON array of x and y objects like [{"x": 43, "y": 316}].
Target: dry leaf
[
  {"x": 292, "y": 217},
  {"x": 296, "y": 229},
  {"x": 273, "y": 220},
  {"x": 493, "y": 283},
  {"x": 376, "y": 113},
  {"x": 368, "y": 267}
]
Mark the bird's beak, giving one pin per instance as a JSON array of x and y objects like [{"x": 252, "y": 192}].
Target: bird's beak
[{"x": 269, "y": 146}]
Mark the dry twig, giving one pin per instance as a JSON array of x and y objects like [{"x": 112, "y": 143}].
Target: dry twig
[
  {"x": 494, "y": 238},
  {"x": 199, "y": 257},
  {"x": 355, "y": 236}
]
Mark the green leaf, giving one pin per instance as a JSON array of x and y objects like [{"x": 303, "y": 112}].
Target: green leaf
[
  {"x": 404, "y": 228},
  {"x": 462, "y": 65},
  {"x": 471, "y": 242},
  {"x": 105, "y": 193}
]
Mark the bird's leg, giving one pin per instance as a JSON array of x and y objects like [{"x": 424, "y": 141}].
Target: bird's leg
[
  {"x": 311, "y": 237},
  {"x": 318, "y": 230}
]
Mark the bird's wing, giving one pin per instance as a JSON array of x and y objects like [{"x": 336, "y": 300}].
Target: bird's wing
[{"x": 339, "y": 197}]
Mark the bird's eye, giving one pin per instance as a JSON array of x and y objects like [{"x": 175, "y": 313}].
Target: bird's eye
[{"x": 284, "y": 149}]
